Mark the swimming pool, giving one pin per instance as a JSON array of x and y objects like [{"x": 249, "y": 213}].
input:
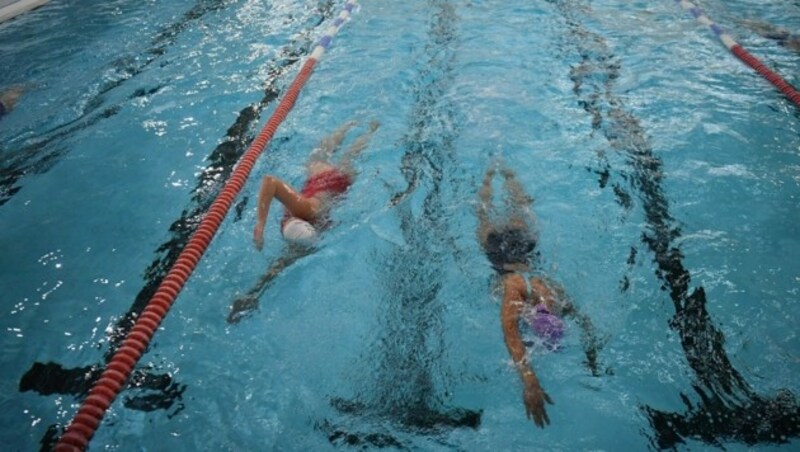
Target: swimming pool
[{"x": 665, "y": 175}]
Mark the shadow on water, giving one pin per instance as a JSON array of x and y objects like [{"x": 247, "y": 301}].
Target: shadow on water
[
  {"x": 160, "y": 391},
  {"x": 409, "y": 384},
  {"x": 728, "y": 409}
]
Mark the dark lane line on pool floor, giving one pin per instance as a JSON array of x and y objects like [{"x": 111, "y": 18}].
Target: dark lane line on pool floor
[
  {"x": 160, "y": 391},
  {"x": 729, "y": 408},
  {"x": 46, "y": 150},
  {"x": 409, "y": 382}
]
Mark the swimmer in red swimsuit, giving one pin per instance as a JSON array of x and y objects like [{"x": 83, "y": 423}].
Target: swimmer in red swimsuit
[{"x": 325, "y": 182}]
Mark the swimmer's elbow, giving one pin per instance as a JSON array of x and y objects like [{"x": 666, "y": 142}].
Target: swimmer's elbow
[{"x": 267, "y": 180}]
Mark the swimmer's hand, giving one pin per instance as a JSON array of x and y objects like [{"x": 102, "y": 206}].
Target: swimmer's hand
[
  {"x": 534, "y": 397},
  {"x": 258, "y": 236},
  {"x": 242, "y": 307}
]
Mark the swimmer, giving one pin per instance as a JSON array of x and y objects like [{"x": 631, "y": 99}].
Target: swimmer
[
  {"x": 306, "y": 210},
  {"x": 535, "y": 305},
  {"x": 783, "y": 37},
  {"x": 9, "y": 98}
]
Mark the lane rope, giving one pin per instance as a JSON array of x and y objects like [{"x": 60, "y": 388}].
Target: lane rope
[
  {"x": 86, "y": 421},
  {"x": 783, "y": 86}
]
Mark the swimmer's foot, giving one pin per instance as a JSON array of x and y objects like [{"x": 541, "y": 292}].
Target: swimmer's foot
[
  {"x": 489, "y": 174},
  {"x": 342, "y": 131}
]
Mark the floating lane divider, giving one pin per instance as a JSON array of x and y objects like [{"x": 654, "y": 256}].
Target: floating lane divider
[
  {"x": 735, "y": 48},
  {"x": 83, "y": 426}
]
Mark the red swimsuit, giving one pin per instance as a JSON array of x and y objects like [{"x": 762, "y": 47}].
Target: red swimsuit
[{"x": 331, "y": 180}]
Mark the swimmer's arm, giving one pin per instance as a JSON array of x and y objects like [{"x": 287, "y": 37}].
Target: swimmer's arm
[
  {"x": 278, "y": 266},
  {"x": 533, "y": 396},
  {"x": 264, "y": 200},
  {"x": 511, "y": 310},
  {"x": 295, "y": 203},
  {"x": 274, "y": 270},
  {"x": 10, "y": 97},
  {"x": 271, "y": 187},
  {"x": 548, "y": 292},
  {"x": 554, "y": 295},
  {"x": 248, "y": 302},
  {"x": 591, "y": 343}
]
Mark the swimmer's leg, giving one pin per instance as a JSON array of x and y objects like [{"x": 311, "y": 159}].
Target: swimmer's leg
[
  {"x": 520, "y": 214},
  {"x": 485, "y": 206},
  {"x": 328, "y": 145},
  {"x": 346, "y": 165}
]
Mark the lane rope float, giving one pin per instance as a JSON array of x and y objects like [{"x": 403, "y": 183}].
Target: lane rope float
[
  {"x": 86, "y": 421},
  {"x": 783, "y": 86}
]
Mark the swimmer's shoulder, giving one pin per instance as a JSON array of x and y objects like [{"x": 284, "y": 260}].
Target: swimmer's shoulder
[{"x": 515, "y": 282}]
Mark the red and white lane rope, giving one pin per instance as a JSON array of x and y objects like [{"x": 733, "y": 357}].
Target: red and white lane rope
[
  {"x": 83, "y": 426},
  {"x": 788, "y": 90}
]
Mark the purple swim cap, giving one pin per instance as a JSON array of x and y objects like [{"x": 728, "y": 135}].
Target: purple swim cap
[{"x": 546, "y": 326}]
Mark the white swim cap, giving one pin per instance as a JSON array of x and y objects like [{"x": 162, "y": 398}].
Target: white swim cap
[{"x": 297, "y": 230}]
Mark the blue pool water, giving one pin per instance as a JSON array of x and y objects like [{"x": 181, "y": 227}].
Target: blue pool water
[{"x": 666, "y": 178}]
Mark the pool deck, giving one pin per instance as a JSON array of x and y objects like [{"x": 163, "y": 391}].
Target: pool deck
[{"x": 12, "y": 8}]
